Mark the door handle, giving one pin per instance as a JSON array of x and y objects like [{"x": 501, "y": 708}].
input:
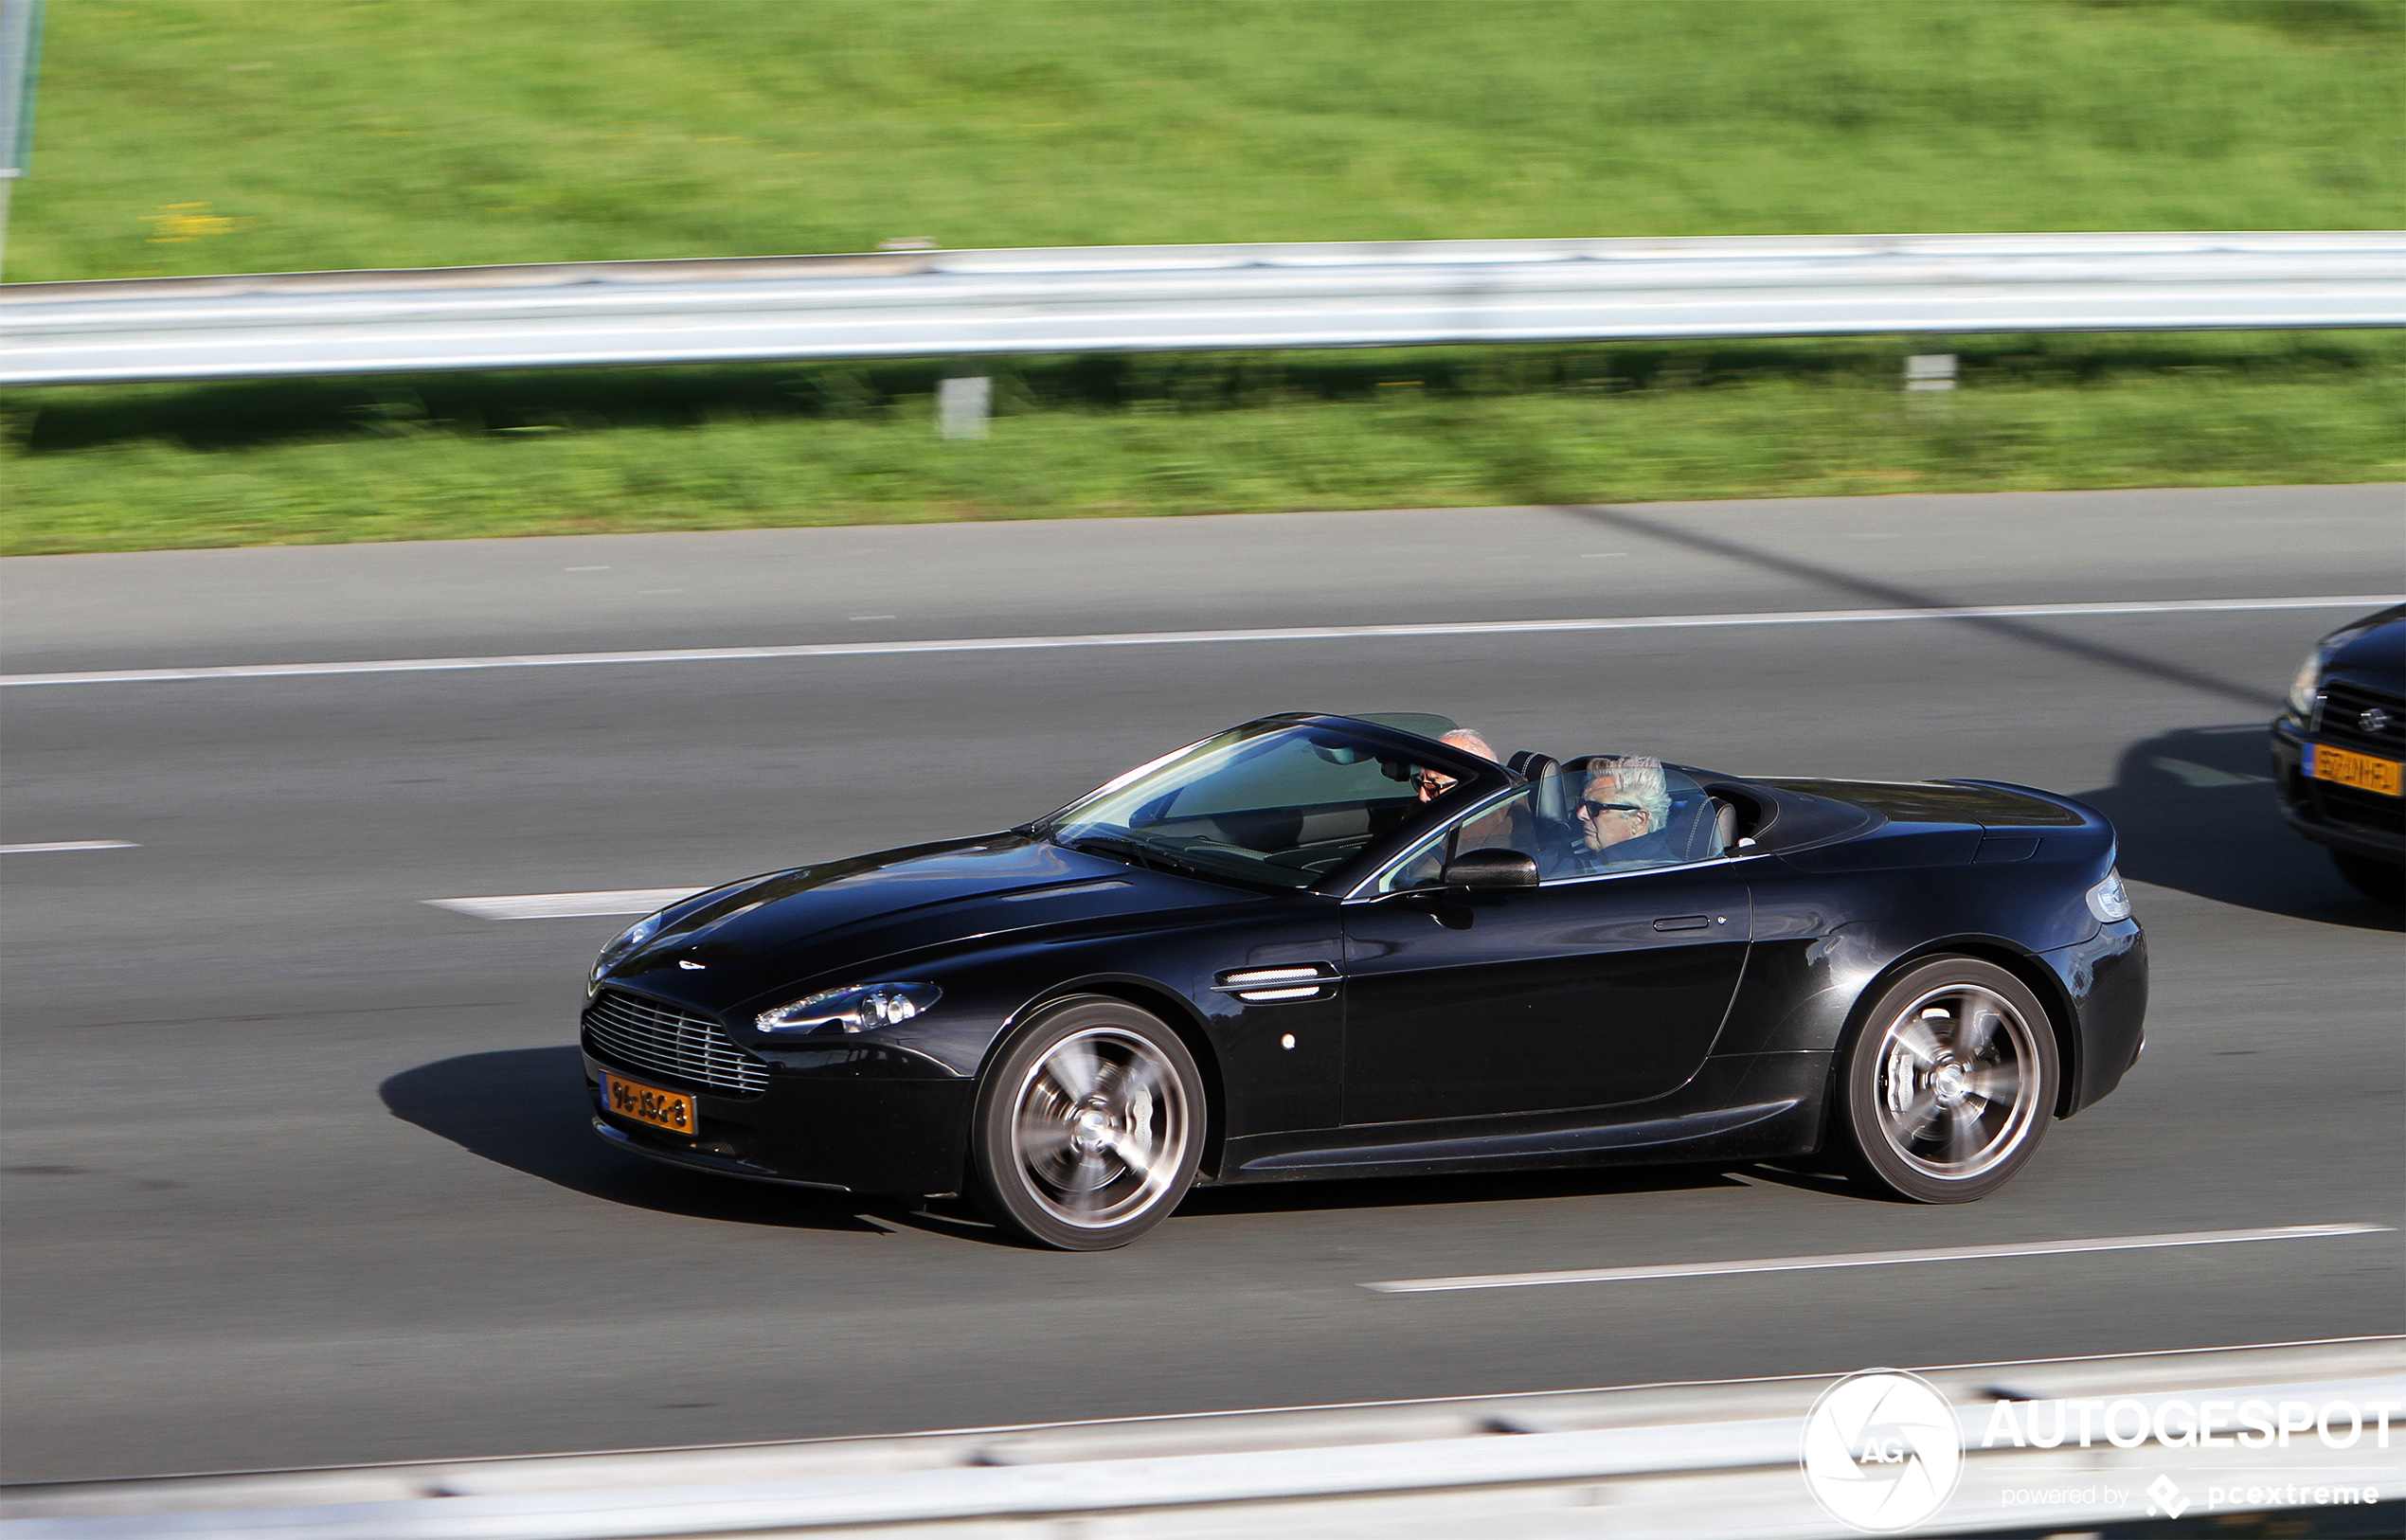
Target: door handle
[{"x": 1683, "y": 922}]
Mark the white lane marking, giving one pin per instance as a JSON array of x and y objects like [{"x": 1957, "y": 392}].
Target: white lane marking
[
  {"x": 564, "y": 906},
  {"x": 70, "y": 845},
  {"x": 585, "y": 569},
  {"x": 1170, "y": 639},
  {"x": 1868, "y": 1259}
]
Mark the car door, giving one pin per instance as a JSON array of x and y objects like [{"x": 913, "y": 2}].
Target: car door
[{"x": 1587, "y": 990}]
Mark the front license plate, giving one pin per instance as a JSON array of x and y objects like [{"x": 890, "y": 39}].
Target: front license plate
[
  {"x": 671, "y": 1110},
  {"x": 2345, "y": 767}
]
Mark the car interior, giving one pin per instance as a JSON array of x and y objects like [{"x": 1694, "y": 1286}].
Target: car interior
[
  {"x": 1702, "y": 824},
  {"x": 1293, "y": 812}
]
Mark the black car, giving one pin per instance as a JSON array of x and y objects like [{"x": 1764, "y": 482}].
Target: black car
[
  {"x": 2337, "y": 751},
  {"x": 1319, "y": 946}
]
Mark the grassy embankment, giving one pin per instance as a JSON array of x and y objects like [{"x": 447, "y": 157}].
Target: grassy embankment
[{"x": 209, "y": 137}]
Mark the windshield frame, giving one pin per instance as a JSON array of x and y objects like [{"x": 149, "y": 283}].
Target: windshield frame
[{"x": 1476, "y": 780}]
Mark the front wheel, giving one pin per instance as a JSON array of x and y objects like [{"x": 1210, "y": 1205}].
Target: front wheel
[
  {"x": 1948, "y": 1088},
  {"x": 1089, "y": 1126}
]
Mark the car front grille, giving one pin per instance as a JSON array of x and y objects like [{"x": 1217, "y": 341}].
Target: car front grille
[
  {"x": 2365, "y": 809},
  {"x": 2343, "y": 709},
  {"x": 672, "y": 1044}
]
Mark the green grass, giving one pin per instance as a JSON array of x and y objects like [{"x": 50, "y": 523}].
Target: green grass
[
  {"x": 244, "y": 136},
  {"x": 224, "y": 135},
  {"x": 456, "y": 456}
]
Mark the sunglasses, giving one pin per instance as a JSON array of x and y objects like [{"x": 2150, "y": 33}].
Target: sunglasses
[
  {"x": 1593, "y": 808},
  {"x": 1428, "y": 780}
]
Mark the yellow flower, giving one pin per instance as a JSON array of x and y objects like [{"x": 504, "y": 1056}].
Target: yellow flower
[{"x": 189, "y": 222}]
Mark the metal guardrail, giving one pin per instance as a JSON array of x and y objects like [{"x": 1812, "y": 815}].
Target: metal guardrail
[
  {"x": 963, "y": 304},
  {"x": 1659, "y": 1462}
]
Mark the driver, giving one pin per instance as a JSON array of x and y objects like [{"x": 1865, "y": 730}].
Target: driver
[{"x": 1622, "y": 814}]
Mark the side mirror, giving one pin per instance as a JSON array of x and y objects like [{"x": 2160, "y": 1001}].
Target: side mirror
[{"x": 1490, "y": 871}]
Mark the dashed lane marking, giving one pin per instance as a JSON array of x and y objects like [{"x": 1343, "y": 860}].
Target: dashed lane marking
[
  {"x": 564, "y": 906},
  {"x": 70, "y": 845},
  {"x": 1868, "y": 1259}
]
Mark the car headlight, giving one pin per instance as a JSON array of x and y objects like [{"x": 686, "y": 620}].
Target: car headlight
[
  {"x": 853, "y": 1010},
  {"x": 629, "y": 939},
  {"x": 2110, "y": 899},
  {"x": 2304, "y": 687}
]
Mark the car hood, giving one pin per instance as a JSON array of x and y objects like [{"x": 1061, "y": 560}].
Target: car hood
[
  {"x": 728, "y": 945},
  {"x": 2374, "y": 649}
]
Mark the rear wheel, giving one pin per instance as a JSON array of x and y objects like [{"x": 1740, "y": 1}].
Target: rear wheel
[
  {"x": 2377, "y": 880},
  {"x": 1089, "y": 1126},
  {"x": 1946, "y": 1090}
]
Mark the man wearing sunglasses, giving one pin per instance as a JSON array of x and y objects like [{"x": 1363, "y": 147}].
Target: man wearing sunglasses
[
  {"x": 1621, "y": 814},
  {"x": 1432, "y": 784},
  {"x": 1507, "y": 828}
]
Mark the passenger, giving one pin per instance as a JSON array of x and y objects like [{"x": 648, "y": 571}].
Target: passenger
[
  {"x": 1622, "y": 815},
  {"x": 1507, "y": 828},
  {"x": 1433, "y": 784}
]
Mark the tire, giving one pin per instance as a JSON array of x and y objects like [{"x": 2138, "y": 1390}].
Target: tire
[
  {"x": 1089, "y": 1126},
  {"x": 2377, "y": 880},
  {"x": 1950, "y": 1083}
]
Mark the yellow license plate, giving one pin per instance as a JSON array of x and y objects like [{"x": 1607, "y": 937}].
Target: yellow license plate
[
  {"x": 671, "y": 1110},
  {"x": 2345, "y": 767}
]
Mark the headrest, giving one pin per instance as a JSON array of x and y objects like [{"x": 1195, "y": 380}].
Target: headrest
[{"x": 1549, "y": 799}]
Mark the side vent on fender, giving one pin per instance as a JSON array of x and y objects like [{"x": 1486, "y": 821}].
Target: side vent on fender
[{"x": 1279, "y": 986}]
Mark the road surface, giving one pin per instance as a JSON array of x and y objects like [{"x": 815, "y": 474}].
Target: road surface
[{"x": 295, "y": 1165}]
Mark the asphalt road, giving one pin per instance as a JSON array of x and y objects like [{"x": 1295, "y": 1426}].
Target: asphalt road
[{"x": 296, "y": 1168}]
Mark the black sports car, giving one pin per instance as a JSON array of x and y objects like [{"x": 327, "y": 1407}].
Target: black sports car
[
  {"x": 1316, "y": 946},
  {"x": 2338, "y": 749}
]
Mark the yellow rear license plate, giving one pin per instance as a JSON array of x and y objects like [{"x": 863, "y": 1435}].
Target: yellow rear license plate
[
  {"x": 671, "y": 1110},
  {"x": 2345, "y": 767}
]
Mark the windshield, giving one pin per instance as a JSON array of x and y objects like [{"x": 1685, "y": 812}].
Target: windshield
[{"x": 1282, "y": 804}]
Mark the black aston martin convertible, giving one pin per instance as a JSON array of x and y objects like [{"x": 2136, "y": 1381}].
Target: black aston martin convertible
[{"x": 1318, "y": 946}]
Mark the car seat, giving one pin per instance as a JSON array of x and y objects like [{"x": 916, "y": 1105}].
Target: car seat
[
  {"x": 1553, "y": 834},
  {"x": 1690, "y": 830},
  {"x": 1546, "y": 798}
]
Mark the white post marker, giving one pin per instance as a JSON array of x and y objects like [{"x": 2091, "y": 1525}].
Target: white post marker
[
  {"x": 963, "y": 404},
  {"x": 1929, "y": 371}
]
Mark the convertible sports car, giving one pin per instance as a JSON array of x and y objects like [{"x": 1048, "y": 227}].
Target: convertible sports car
[{"x": 1318, "y": 946}]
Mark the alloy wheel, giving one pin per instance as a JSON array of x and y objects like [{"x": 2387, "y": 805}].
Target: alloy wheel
[
  {"x": 1958, "y": 1082},
  {"x": 1101, "y": 1126}
]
